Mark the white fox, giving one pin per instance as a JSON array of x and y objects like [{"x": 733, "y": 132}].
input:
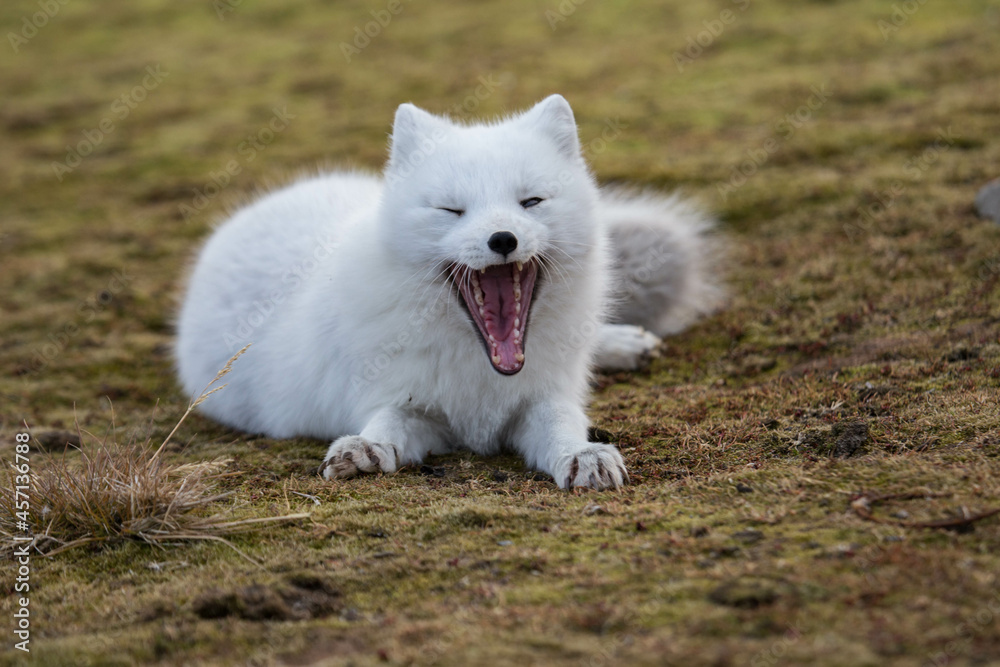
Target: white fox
[{"x": 460, "y": 300}]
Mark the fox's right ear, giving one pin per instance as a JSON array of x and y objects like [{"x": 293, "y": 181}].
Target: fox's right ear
[
  {"x": 411, "y": 130},
  {"x": 554, "y": 117}
]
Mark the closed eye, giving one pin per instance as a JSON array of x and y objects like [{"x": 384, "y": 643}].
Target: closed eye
[
  {"x": 531, "y": 201},
  {"x": 456, "y": 211}
]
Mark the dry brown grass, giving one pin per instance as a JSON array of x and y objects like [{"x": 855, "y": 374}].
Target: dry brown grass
[{"x": 115, "y": 491}]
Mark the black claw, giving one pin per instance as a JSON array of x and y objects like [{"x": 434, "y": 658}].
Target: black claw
[
  {"x": 323, "y": 466},
  {"x": 370, "y": 453}
]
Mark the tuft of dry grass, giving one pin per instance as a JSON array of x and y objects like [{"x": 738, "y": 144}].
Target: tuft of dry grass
[{"x": 126, "y": 491}]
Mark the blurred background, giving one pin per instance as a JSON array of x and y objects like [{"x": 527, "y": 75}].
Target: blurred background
[{"x": 840, "y": 142}]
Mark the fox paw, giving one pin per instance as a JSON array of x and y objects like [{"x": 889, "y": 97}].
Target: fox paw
[
  {"x": 352, "y": 454},
  {"x": 626, "y": 347},
  {"x": 598, "y": 466}
]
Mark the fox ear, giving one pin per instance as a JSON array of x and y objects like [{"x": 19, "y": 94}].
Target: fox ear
[
  {"x": 554, "y": 117},
  {"x": 411, "y": 129}
]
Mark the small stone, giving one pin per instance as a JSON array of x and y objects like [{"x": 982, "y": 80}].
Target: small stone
[
  {"x": 505, "y": 543},
  {"x": 988, "y": 201},
  {"x": 747, "y": 592},
  {"x": 724, "y": 552},
  {"x": 350, "y": 614},
  {"x": 749, "y": 536}
]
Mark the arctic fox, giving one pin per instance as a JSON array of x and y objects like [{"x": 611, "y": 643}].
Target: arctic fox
[{"x": 459, "y": 300}]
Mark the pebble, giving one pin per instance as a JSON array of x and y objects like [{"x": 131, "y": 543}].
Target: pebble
[{"x": 988, "y": 200}]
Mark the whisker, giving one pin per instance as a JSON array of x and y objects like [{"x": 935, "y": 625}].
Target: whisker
[
  {"x": 441, "y": 269},
  {"x": 574, "y": 259},
  {"x": 550, "y": 264}
]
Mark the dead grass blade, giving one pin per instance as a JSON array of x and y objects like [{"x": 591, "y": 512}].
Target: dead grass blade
[
  {"x": 864, "y": 507},
  {"x": 116, "y": 492}
]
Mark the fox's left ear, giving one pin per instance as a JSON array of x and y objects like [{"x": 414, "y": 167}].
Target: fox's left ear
[{"x": 554, "y": 117}]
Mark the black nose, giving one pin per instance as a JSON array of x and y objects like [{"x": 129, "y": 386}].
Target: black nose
[{"x": 503, "y": 243}]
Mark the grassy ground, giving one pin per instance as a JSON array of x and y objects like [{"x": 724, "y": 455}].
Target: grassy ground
[{"x": 859, "y": 353}]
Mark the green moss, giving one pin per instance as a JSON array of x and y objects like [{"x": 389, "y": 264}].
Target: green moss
[{"x": 835, "y": 319}]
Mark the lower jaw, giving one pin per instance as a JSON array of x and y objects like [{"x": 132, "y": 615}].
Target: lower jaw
[{"x": 515, "y": 365}]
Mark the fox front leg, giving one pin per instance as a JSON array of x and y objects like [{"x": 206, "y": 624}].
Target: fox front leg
[
  {"x": 552, "y": 436},
  {"x": 391, "y": 439}
]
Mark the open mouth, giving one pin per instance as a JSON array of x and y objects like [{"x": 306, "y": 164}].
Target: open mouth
[{"x": 499, "y": 298}]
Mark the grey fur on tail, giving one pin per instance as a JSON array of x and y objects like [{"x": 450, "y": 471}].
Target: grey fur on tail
[{"x": 666, "y": 259}]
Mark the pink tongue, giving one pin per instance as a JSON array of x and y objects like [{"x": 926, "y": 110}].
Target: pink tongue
[{"x": 497, "y": 285}]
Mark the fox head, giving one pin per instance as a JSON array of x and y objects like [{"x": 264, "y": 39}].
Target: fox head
[{"x": 499, "y": 211}]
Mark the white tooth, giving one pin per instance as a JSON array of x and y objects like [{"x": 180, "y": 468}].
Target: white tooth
[
  {"x": 482, "y": 271},
  {"x": 479, "y": 297},
  {"x": 519, "y": 356},
  {"x": 517, "y": 305},
  {"x": 482, "y": 312},
  {"x": 517, "y": 322},
  {"x": 493, "y": 340},
  {"x": 496, "y": 359},
  {"x": 520, "y": 266}
]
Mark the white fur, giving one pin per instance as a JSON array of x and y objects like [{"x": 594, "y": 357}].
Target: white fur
[{"x": 339, "y": 282}]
